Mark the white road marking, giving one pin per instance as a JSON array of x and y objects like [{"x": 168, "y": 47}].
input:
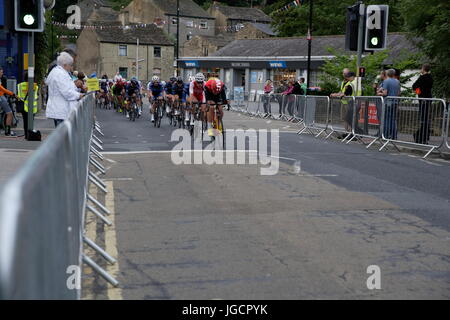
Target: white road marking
[
  {"x": 118, "y": 179},
  {"x": 167, "y": 151}
]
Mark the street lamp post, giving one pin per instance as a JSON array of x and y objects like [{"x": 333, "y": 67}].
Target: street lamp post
[
  {"x": 308, "y": 77},
  {"x": 178, "y": 34}
]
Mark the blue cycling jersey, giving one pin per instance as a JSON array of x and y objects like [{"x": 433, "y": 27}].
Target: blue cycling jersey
[
  {"x": 156, "y": 89},
  {"x": 130, "y": 89},
  {"x": 169, "y": 88}
]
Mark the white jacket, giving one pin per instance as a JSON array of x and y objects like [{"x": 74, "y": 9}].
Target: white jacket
[{"x": 62, "y": 94}]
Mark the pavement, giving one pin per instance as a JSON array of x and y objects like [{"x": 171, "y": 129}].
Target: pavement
[
  {"x": 311, "y": 231},
  {"x": 14, "y": 151}
]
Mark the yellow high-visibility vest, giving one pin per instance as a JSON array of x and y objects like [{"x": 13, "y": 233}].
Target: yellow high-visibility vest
[{"x": 22, "y": 91}]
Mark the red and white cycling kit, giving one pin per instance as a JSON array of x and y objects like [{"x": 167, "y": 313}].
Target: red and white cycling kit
[{"x": 197, "y": 90}]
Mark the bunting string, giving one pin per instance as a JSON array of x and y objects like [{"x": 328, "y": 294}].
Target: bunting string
[{"x": 293, "y": 4}]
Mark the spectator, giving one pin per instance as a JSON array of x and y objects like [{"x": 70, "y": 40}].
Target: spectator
[
  {"x": 347, "y": 89},
  {"x": 390, "y": 88},
  {"x": 290, "y": 98},
  {"x": 4, "y": 80},
  {"x": 423, "y": 87},
  {"x": 54, "y": 63},
  {"x": 4, "y": 105},
  {"x": 268, "y": 89},
  {"x": 80, "y": 83},
  {"x": 303, "y": 85},
  {"x": 62, "y": 91},
  {"x": 22, "y": 93},
  {"x": 280, "y": 97}
]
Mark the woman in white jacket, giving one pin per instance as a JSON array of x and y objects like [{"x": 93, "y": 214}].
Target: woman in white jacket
[{"x": 62, "y": 92}]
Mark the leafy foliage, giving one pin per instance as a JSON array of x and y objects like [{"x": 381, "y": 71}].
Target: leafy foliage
[{"x": 430, "y": 22}]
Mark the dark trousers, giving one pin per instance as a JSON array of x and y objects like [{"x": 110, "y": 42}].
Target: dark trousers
[
  {"x": 423, "y": 134},
  {"x": 25, "y": 123}
]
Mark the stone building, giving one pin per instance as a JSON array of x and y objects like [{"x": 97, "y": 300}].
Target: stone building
[
  {"x": 233, "y": 17},
  {"x": 114, "y": 49},
  {"x": 194, "y": 21},
  {"x": 247, "y": 63}
]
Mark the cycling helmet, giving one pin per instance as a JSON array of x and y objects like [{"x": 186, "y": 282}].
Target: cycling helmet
[
  {"x": 179, "y": 79},
  {"x": 163, "y": 83},
  {"x": 199, "y": 77},
  {"x": 216, "y": 85},
  {"x": 173, "y": 79},
  {"x": 155, "y": 79}
]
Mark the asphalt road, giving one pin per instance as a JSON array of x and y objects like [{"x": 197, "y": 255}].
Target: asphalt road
[{"x": 308, "y": 232}]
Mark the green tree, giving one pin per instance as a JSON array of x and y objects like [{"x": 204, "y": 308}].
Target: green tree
[
  {"x": 331, "y": 72},
  {"x": 329, "y": 18},
  {"x": 429, "y": 21}
]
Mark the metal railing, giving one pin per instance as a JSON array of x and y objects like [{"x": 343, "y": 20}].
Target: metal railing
[
  {"x": 418, "y": 123},
  {"x": 42, "y": 212}
]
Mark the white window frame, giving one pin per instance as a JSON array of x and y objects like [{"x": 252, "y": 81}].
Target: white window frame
[
  {"x": 122, "y": 47},
  {"x": 190, "y": 24},
  {"x": 204, "y": 25},
  {"x": 174, "y": 20}
]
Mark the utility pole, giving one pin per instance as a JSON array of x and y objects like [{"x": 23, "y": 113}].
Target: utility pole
[
  {"x": 308, "y": 82},
  {"x": 30, "y": 79},
  {"x": 137, "y": 59},
  {"x": 362, "y": 13},
  {"x": 178, "y": 34}
]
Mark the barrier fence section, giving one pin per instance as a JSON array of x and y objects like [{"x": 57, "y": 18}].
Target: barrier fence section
[
  {"x": 417, "y": 122},
  {"x": 316, "y": 115},
  {"x": 447, "y": 135},
  {"x": 42, "y": 213}
]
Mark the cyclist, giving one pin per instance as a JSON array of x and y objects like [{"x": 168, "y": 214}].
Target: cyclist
[
  {"x": 104, "y": 88},
  {"x": 132, "y": 90},
  {"x": 188, "y": 107},
  {"x": 168, "y": 88},
  {"x": 215, "y": 94},
  {"x": 179, "y": 95},
  {"x": 118, "y": 89},
  {"x": 155, "y": 91},
  {"x": 197, "y": 92}
]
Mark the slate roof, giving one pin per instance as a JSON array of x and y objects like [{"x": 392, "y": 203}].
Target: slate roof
[
  {"x": 285, "y": 47},
  {"x": 242, "y": 13},
  {"x": 150, "y": 35},
  {"x": 219, "y": 40},
  {"x": 187, "y": 8},
  {"x": 264, "y": 27}
]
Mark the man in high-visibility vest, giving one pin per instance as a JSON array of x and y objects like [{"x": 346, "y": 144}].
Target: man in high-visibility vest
[{"x": 22, "y": 93}]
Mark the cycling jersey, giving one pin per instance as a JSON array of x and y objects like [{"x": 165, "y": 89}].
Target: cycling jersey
[
  {"x": 132, "y": 90},
  {"x": 197, "y": 90},
  {"x": 179, "y": 90},
  {"x": 220, "y": 97},
  {"x": 155, "y": 88},
  {"x": 169, "y": 87},
  {"x": 117, "y": 88},
  {"x": 104, "y": 85}
]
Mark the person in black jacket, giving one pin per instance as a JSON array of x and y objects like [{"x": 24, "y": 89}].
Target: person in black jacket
[{"x": 423, "y": 87}]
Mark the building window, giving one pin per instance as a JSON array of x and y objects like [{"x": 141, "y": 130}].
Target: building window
[
  {"x": 190, "y": 24},
  {"x": 203, "y": 25},
  {"x": 205, "y": 51},
  {"x": 189, "y": 36},
  {"x": 122, "y": 50},
  {"x": 123, "y": 72},
  {"x": 174, "y": 20},
  {"x": 157, "y": 52}
]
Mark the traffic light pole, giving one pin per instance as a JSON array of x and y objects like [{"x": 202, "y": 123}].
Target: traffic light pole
[
  {"x": 30, "y": 79},
  {"x": 362, "y": 10}
]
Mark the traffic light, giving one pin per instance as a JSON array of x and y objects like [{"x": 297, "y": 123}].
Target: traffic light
[
  {"x": 351, "y": 34},
  {"x": 376, "y": 27},
  {"x": 29, "y": 15}
]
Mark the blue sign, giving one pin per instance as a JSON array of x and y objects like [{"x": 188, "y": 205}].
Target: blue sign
[
  {"x": 2, "y": 12},
  {"x": 191, "y": 64},
  {"x": 277, "y": 64}
]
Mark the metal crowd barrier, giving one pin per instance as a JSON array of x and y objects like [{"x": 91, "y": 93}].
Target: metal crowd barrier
[
  {"x": 42, "y": 213},
  {"x": 367, "y": 115},
  {"x": 341, "y": 116},
  {"x": 315, "y": 115},
  {"x": 417, "y": 122}
]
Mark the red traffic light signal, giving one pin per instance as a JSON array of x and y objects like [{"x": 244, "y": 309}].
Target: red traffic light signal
[{"x": 362, "y": 72}]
